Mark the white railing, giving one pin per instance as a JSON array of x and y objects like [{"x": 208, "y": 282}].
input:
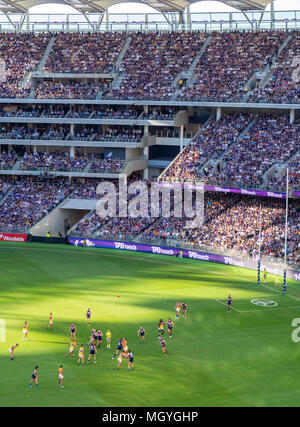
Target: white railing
[{"x": 210, "y": 21}]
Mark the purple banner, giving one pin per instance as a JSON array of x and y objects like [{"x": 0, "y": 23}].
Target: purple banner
[
  {"x": 162, "y": 250},
  {"x": 245, "y": 191},
  {"x": 263, "y": 193},
  {"x": 296, "y": 194}
]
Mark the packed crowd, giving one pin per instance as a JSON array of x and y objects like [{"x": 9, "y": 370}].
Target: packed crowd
[
  {"x": 56, "y": 161},
  {"x": 30, "y": 201},
  {"x": 19, "y": 53},
  {"x": 110, "y": 165},
  {"x": 85, "y": 52},
  {"x": 86, "y": 189},
  {"x": 279, "y": 180},
  {"x": 213, "y": 140},
  {"x": 45, "y": 110},
  {"x": 117, "y": 112},
  {"x": 8, "y": 160},
  {"x": 120, "y": 134},
  {"x": 112, "y": 134},
  {"x": 5, "y": 186},
  {"x": 161, "y": 113},
  {"x": 152, "y": 62},
  {"x": 60, "y": 161},
  {"x": 86, "y": 133},
  {"x": 284, "y": 83},
  {"x": 67, "y": 90},
  {"x": 116, "y": 227},
  {"x": 51, "y": 132},
  {"x": 232, "y": 223},
  {"x": 229, "y": 61},
  {"x": 226, "y": 153},
  {"x": 271, "y": 140},
  {"x": 21, "y": 110},
  {"x": 90, "y": 223}
]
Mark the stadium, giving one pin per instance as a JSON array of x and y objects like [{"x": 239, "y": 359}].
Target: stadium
[{"x": 149, "y": 205}]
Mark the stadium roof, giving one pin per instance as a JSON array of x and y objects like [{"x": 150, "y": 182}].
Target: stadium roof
[{"x": 96, "y": 6}]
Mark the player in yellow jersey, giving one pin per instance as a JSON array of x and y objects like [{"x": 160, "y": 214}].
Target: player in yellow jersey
[
  {"x": 81, "y": 355},
  {"x": 177, "y": 309},
  {"x": 11, "y": 350},
  {"x": 120, "y": 358},
  {"x": 124, "y": 344},
  {"x": 108, "y": 338},
  {"x": 25, "y": 331},
  {"x": 60, "y": 376},
  {"x": 265, "y": 275},
  {"x": 71, "y": 348},
  {"x": 161, "y": 324},
  {"x": 50, "y": 322}
]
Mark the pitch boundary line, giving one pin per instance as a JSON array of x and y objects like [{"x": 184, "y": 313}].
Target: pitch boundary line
[
  {"x": 259, "y": 310},
  {"x": 276, "y": 290},
  {"x": 268, "y": 309},
  {"x": 233, "y": 308}
]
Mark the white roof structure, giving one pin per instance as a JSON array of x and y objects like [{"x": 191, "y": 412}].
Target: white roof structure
[{"x": 99, "y": 6}]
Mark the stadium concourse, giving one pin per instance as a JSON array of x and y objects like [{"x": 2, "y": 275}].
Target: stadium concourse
[{"x": 220, "y": 107}]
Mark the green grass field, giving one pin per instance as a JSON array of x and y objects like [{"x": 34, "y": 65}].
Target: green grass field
[{"x": 246, "y": 358}]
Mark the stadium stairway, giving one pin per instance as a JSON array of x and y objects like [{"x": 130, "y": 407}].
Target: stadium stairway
[
  {"x": 116, "y": 84},
  {"x": 46, "y": 55},
  {"x": 17, "y": 165},
  {"x": 72, "y": 230},
  {"x": 190, "y": 74},
  {"x": 277, "y": 170},
  {"x": 26, "y": 80},
  {"x": 40, "y": 66},
  {"x": 269, "y": 74},
  {"x": 262, "y": 77},
  {"x": 220, "y": 159},
  {"x": 160, "y": 178},
  {"x": 53, "y": 221},
  {"x": 6, "y": 195},
  {"x": 274, "y": 170},
  {"x": 87, "y": 167},
  {"x": 122, "y": 53},
  {"x": 214, "y": 162}
]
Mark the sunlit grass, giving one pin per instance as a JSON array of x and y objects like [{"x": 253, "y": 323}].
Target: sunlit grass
[{"x": 214, "y": 358}]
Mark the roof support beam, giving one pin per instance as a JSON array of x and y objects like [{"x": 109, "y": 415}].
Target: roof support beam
[
  {"x": 261, "y": 17},
  {"x": 88, "y": 3},
  {"x": 22, "y": 19},
  {"x": 11, "y": 22},
  {"x": 172, "y": 6},
  {"x": 245, "y": 15},
  {"x": 93, "y": 5},
  {"x": 101, "y": 16},
  {"x": 16, "y": 5},
  {"x": 88, "y": 21}
]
